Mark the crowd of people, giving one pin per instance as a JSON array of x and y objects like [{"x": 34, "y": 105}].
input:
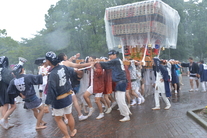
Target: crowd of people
[{"x": 63, "y": 83}]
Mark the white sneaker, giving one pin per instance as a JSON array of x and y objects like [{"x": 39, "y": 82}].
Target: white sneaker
[
  {"x": 3, "y": 124},
  {"x": 101, "y": 115},
  {"x": 129, "y": 105},
  {"x": 176, "y": 91},
  {"x": 191, "y": 90},
  {"x": 196, "y": 90},
  {"x": 91, "y": 110},
  {"x": 66, "y": 121},
  {"x": 156, "y": 108},
  {"x": 139, "y": 100},
  {"x": 126, "y": 118},
  {"x": 108, "y": 110},
  {"x": 105, "y": 109},
  {"x": 10, "y": 125},
  {"x": 82, "y": 117},
  {"x": 142, "y": 99},
  {"x": 113, "y": 105},
  {"x": 133, "y": 102},
  {"x": 167, "y": 107}
]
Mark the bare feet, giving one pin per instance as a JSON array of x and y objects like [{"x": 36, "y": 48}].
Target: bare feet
[
  {"x": 66, "y": 137},
  {"x": 43, "y": 123},
  {"x": 41, "y": 127},
  {"x": 73, "y": 133}
]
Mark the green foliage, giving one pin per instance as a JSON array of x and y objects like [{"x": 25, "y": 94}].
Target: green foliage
[{"x": 74, "y": 26}]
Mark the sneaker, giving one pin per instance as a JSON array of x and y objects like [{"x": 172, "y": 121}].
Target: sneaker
[
  {"x": 126, "y": 118},
  {"x": 129, "y": 105},
  {"x": 139, "y": 100},
  {"x": 108, "y": 110},
  {"x": 3, "y": 124},
  {"x": 167, "y": 107},
  {"x": 142, "y": 99},
  {"x": 156, "y": 108},
  {"x": 176, "y": 92},
  {"x": 133, "y": 102},
  {"x": 196, "y": 90},
  {"x": 113, "y": 105},
  {"x": 105, "y": 110},
  {"x": 66, "y": 121},
  {"x": 191, "y": 90},
  {"x": 10, "y": 125},
  {"x": 91, "y": 110},
  {"x": 82, "y": 117},
  {"x": 101, "y": 115}
]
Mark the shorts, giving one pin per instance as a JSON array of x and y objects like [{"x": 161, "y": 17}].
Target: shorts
[
  {"x": 62, "y": 111},
  {"x": 193, "y": 78},
  {"x": 33, "y": 104},
  {"x": 134, "y": 85},
  {"x": 90, "y": 90},
  {"x": 11, "y": 101}
]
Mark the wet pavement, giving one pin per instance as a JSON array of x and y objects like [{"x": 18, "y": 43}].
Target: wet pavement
[{"x": 144, "y": 123}]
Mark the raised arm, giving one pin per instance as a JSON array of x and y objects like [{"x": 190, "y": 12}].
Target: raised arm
[{"x": 74, "y": 65}]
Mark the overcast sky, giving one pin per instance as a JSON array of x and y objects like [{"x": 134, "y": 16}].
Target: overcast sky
[{"x": 23, "y": 18}]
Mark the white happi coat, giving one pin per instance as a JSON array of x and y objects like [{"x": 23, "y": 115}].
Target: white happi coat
[{"x": 159, "y": 86}]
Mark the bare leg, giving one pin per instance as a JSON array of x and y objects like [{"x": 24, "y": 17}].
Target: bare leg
[
  {"x": 103, "y": 101},
  {"x": 76, "y": 105},
  {"x": 62, "y": 126},
  {"x": 191, "y": 83},
  {"x": 128, "y": 97},
  {"x": 175, "y": 86},
  {"x": 9, "y": 112},
  {"x": 98, "y": 102},
  {"x": 35, "y": 112},
  {"x": 39, "y": 117},
  {"x": 71, "y": 124},
  {"x": 142, "y": 89},
  {"x": 87, "y": 98},
  {"x": 108, "y": 102},
  {"x": 134, "y": 93},
  {"x": 197, "y": 83},
  {"x": 4, "y": 110},
  {"x": 111, "y": 98}
]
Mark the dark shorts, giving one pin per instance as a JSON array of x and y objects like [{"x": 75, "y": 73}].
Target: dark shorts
[
  {"x": 36, "y": 102},
  {"x": 8, "y": 101}
]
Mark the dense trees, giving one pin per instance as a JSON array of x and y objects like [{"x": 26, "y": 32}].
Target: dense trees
[{"x": 78, "y": 26}]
